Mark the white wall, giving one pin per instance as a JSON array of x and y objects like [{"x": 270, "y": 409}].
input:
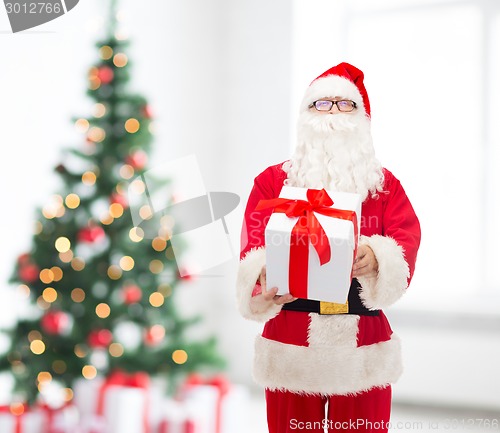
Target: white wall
[{"x": 233, "y": 56}]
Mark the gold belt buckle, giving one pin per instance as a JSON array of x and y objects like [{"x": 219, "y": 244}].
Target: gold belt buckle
[{"x": 333, "y": 308}]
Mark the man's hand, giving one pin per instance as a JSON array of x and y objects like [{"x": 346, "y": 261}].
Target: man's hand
[
  {"x": 366, "y": 264},
  {"x": 270, "y": 295}
]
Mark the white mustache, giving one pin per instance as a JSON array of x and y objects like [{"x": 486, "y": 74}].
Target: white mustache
[{"x": 328, "y": 123}]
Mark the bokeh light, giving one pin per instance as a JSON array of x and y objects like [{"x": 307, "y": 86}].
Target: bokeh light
[
  {"x": 136, "y": 234},
  {"x": 132, "y": 125},
  {"x": 46, "y": 276},
  {"x": 179, "y": 356},
  {"x": 89, "y": 178},
  {"x": 89, "y": 372},
  {"x": 156, "y": 299},
  {"x": 62, "y": 244},
  {"x": 49, "y": 295},
  {"x": 103, "y": 310},
  {"x": 37, "y": 347},
  {"x": 156, "y": 266},
  {"x": 78, "y": 295},
  {"x": 106, "y": 52},
  {"x": 78, "y": 264},
  {"x": 116, "y": 350},
  {"x": 127, "y": 263},
  {"x": 72, "y": 201},
  {"x": 120, "y": 60},
  {"x": 114, "y": 272},
  {"x": 127, "y": 171},
  {"x": 82, "y": 125},
  {"x": 116, "y": 210}
]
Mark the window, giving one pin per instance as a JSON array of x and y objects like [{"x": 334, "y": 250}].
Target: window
[{"x": 429, "y": 71}]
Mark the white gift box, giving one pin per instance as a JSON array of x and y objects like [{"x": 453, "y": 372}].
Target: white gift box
[
  {"x": 235, "y": 410},
  {"x": 231, "y": 409},
  {"x": 331, "y": 281},
  {"x": 86, "y": 396},
  {"x": 30, "y": 422},
  {"x": 124, "y": 408},
  {"x": 64, "y": 420},
  {"x": 179, "y": 418}
]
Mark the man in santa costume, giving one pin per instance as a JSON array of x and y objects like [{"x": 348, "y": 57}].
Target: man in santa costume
[{"x": 332, "y": 366}]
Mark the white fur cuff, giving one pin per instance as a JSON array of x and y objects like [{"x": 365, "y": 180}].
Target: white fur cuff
[
  {"x": 393, "y": 273},
  {"x": 249, "y": 270}
]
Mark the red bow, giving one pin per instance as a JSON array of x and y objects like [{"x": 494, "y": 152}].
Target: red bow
[{"x": 308, "y": 229}]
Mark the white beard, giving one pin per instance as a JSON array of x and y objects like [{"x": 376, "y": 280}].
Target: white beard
[{"x": 335, "y": 152}]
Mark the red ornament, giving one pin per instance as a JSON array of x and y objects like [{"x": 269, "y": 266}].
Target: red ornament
[
  {"x": 29, "y": 273},
  {"x": 55, "y": 322},
  {"x": 100, "y": 338},
  {"x": 120, "y": 199},
  {"x": 91, "y": 234},
  {"x": 138, "y": 159},
  {"x": 105, "y": 74},
  {"x": 154, "y": 335},
  {"x": 24, "y": 259},
  {"x": 146, "y": 111},
  {"x": 131, "y": 294}
]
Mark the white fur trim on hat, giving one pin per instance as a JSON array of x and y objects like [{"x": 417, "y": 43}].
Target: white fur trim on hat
[
  {"x": 332, "y": 86},
  {"x": 248, "y": 273},
  {"x": 393, "y": 273},
  {"x": 338, "y": 368}
]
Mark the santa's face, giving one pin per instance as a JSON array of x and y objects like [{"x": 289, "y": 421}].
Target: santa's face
[
  {"x": 334, "y": 149},
  {"x": 346, "y": 118}
]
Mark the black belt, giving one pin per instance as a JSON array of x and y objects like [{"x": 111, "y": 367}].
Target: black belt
[{"x": 352, "y": 306}]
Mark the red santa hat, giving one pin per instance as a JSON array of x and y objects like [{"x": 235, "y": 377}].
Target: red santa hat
[{"x": 343, "y": 80}]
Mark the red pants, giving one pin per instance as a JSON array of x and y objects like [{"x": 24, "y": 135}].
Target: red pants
[{"x": 367, "y": 412}]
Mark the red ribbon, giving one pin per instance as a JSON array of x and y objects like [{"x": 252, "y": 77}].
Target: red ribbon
[
  {"x": 50, "y": 412},
  {"x": 121, "y": 378},
  {"x": 308, "y": 229},
  {"x": 221, "y": 384}
]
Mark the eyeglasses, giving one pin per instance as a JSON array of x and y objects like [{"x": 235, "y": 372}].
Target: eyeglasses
[{"x": 343, "y": 105}]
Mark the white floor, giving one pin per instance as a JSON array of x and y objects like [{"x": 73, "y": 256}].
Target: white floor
[{"x": 409, "y": 419}]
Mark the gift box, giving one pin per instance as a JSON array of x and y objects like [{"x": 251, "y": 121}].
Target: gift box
[
  {"x": 38, "y": 419},
  {"x": 29, "y": 421},
  {"x": 218, "y": 406},
  {"x": 116, "y": 404},
  {"x": 178, "y": 417},
  {"x": 63, "y": 419},
  {"x": 311, "y": 240}
]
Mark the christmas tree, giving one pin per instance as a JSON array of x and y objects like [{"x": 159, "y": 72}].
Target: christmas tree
[{"x": 100, "y": 291}]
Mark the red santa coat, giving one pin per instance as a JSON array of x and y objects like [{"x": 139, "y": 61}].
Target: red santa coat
[{"x": 332, "y": 354}]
